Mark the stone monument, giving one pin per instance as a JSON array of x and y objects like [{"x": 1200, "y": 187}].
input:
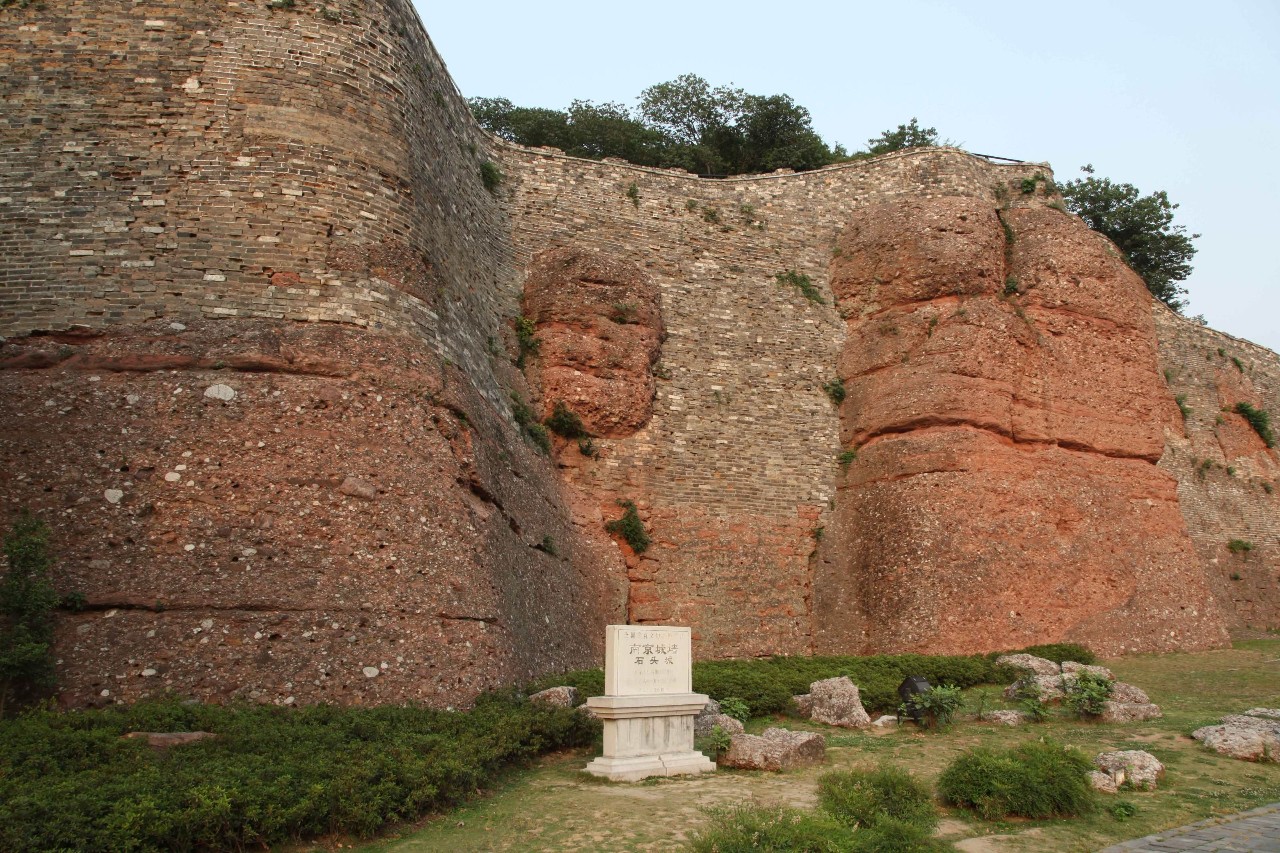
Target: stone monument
[{"x": 649, "y": 705}]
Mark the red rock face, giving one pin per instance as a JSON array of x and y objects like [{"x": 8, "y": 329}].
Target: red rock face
[
  {"x": 1006, "y": 409},
  {"x": 345, "y": 528},
  {"x": 600, "y": 328}
]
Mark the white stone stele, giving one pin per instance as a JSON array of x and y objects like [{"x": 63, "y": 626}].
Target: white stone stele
[{"x": 649, "y": 705}]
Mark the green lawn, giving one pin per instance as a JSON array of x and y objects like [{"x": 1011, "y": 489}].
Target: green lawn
[{"x": 553, "y": 806}]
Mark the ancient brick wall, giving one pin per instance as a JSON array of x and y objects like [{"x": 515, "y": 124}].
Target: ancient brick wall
[
  {"x": 736, "y": 473},
  {"x": 1228, "y": 480},
  {"x": 286, "y": 203}
]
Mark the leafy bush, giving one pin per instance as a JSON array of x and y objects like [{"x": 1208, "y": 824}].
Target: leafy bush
[
  {"x": 734, "y": 707},
  {"x": 835, "y": 390},
  {"x": 1239, "y": 546},
  {"x": 862, "y": 798},
  {"x": 272, "y": 775},
  {"x": 938, "y": 705},
  {"x": 1260, "y": 420},
  {"x": 749, "y": 827},
  {"x": 526, "y": 337},
  {"x": 1035, "y": 780},
  {"x": 630, "y": 527},
  {"x": 1087, "y": 694},
  {"x": 1027, "y": 695},
  {"x": 27, "y": 601},
  {"x": 535, "y": 431},
  {"x": 718, "y": 742},
  {"x": 564, "y": 421}
]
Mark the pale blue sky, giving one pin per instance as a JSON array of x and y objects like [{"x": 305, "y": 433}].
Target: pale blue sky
[{"x": 1164, "y": 95}]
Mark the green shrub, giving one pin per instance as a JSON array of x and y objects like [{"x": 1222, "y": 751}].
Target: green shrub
[
  {"x": 1027, "y": 695},
  {"x": 630, "y": 527},
  {"x": 802, "y": 283},
  {"x": 862, "y": 798},
  {"x": 749, "y": 827},
  {"x": 1239, "y": 546},
  {"x": 938, "y": 705},
  {"x": 895, "y": 836},
  {"x": 533, "y": 430},
  {"x": 490, "y": 175},
  {"x": 1260, "y": 420},
  {"x": 718, "y": 742},
  {"x": 1011, "y": 286},
  {"x": 847, "y": 457},
  {"x": 633, "y": 193},
  {"x": 272, "y": 775},
  {"x": 565, "y": 422},
  {"x": 27, "y": 602},
  {"x": 1035, "y": 780},
  {"x": 835, "y": 390},
  {"x": 1087, "y": 694}
]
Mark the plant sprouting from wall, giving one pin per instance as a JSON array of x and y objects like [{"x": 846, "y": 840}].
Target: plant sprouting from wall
[
  {"x": 1260, "y": 420},
  {"x": 490, "y": 175},
  {"x": 630, "y": 527},
  {"x": 835, "y": 390},
  {"x": 527, "y": 339},
  {"x": 633, "y": 193},
  {"x": 565, "y": 422},
  {"x": 802, "y": 283}
]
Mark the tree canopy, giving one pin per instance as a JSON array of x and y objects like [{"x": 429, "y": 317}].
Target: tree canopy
[
  {"x": 689, "y": 124},
  {"x": 1141, "y": 227}
]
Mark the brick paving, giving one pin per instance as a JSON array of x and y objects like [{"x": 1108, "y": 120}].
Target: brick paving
[{"x": 1254, "y": 831}]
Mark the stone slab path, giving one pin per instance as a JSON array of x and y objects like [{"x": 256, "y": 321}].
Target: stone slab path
[{"x": 1254, "y": 831}]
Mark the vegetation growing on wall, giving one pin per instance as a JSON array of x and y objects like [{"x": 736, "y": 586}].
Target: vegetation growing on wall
[
  {"x": 27, "y": 602},
  {"x": 1260, "y": 420}
]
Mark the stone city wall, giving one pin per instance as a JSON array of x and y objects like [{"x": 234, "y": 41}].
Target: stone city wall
[{"x": 736, "y": 472}]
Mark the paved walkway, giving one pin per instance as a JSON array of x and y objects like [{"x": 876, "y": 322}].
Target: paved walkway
[{"x": 1254, "y": 831}]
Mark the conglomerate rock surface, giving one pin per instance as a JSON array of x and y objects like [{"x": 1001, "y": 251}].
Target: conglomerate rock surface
[
  {"x": 1006, "y": 412},
  {"x": 350, "y": 526}
]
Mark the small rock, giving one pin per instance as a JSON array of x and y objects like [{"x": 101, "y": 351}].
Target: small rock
[
  {"x": 1129, "y": 712},
  {"x": 775, "y": 749},
  {"x": 172, "y": 477},
  {"x": 1006, "y": 718},
  {"x": 1249, "y": 737},
  {"x": 131, "y": 398},
  {"x": 1103, "y": 782},
  {"x": 177, "y": 327},
  {"x": 1073, "y": 667},
  {"x": 371, "y": 671},
  {"x": 220, "y": 392},
  {"x": 1038, "y": 665},
  {"x": 113, "y": 496},
  {"x": 587, "y": 711},
  {"x": 702, "y": 723},
  {"x": 726, "y": 723},
  {"x": 148, "y": 672},
  {"x": 887, "y": 721},
  {"x": 836, "y": 702},
  {"x": 164, "y": 740},
  {"x": 560, "y": 697},
  {"x": 1128, "y": 694},
  {"x": 1141, "y": 769},
  {"x": 358, "y": 488}
]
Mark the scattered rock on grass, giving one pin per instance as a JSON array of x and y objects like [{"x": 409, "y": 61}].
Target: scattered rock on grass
[
  {"x": 1141, "y": 769},
  {"x": 1128, "y": 694},
  {"x": 836, "y": 702},
  {"x": 775, "y": 749},
  {"x": 1037, "y": 665},
  {"x": 560, "y": 697},
  {"x": 1006, "y": 718},
  {"x": 1252, "y": 736},
  {"x": 1129, "y": 712},
  {"x": 1104, "y": 782},
  {"x": 164, "y": 740}
]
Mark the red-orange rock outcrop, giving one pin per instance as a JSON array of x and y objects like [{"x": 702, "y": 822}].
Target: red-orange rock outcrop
[
  {"x": 599, "y": 329},
  {"x": 1006, "y": 410}
]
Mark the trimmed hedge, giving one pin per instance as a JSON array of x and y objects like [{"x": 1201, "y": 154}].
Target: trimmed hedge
[
  {"x": 767, "y": 684},
  {"x": 68, "y": 780}
]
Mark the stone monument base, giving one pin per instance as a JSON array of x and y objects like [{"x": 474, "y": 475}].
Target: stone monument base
[{"x": 648, "y": 736}]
